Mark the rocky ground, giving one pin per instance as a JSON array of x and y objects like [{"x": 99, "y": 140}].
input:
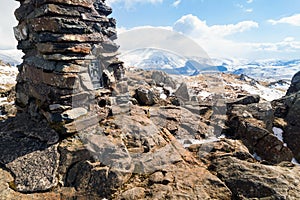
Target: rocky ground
[
  {"x": 8, "y": 81},
  {"x": 204, "y": 137}
]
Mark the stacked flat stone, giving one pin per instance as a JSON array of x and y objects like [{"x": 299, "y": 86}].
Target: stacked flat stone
[{"x": 69, "y": 54}]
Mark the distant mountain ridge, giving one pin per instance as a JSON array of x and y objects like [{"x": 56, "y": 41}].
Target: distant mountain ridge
[
  {"x": 172, "y": 63},
  {"x": 167, "y": 61}
]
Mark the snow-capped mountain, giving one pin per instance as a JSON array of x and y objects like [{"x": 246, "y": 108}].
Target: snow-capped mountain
[
  {"x": 167, "y": 61},
  {"x": 151, "y": 58},
  {"x": 172, "y": 63}
]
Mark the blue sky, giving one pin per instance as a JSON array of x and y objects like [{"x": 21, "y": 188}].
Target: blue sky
[{"x": 251, "y": 29}]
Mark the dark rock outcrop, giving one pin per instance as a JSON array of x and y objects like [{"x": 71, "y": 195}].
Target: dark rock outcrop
[
  {"x": 249, "y": 180},
  {"x": 231, "y": 161},
  {"x": 146, "y": 96},
  {"x": 292, "y": 129},
  {"x": 181, "y": 122},
  {"x": 245, "y": 100},
  {"x": 295, "y": 84},
  {"x": 253, "y": 125},
  {"x": 288, "y": 110},
  {"x": 163, "y": 79}
]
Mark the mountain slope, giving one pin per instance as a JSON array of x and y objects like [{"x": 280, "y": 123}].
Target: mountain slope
[{"x": 167, "y": 61}]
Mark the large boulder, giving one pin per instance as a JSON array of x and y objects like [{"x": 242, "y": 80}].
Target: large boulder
[
  {"x": 163, "y": 79},
  {"x": 288, "y": 111},
  {"x": 292, "y": 130},
  {"x": 182, "y": 92},
  {"x": 249, "y": 180},
  {"x": 253, "y": 125},
  {"x": 176, "y": 174},
  {"x": 145, "y": 96}
]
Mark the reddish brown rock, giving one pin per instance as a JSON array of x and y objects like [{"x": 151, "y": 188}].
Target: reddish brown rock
[{"x": 64, "y": 48}]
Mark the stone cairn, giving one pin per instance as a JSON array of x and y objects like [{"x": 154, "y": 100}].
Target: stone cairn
[{"x": 70, "y": 60}]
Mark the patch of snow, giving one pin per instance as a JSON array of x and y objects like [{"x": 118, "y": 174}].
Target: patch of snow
[
  {"x": 283, "y": 86},
  {"x": 163, "y": 96},
  {"x": 8, "y": 75},
  {"x": 268, "y": 94},
  {"x": 278, "y": 133},
  {"x": 222, "y": 136},
  {"x": 188, "y": 142},
  {"x": 294, "y": 161},
  {"x": 2, "y": 99},
  {"x": 204, "y": 94}
]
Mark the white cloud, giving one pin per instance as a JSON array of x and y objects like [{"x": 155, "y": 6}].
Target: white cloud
[
  {"x": 210, "y": 38},
  {"x": 292, "y": 20},
  {"x": 176, "y": 3},
  {"x": 289, "y": 44},
  {"x": 161, "y": 38},
  {"x": 215, "y": 41},
  {"x": 249, "y": 1},
  {"x": 130, "y": 3},
  {"x": 244, "y": 9},
  {"x": 249, "y": 10},
  {"x": 192, "y": 25}
]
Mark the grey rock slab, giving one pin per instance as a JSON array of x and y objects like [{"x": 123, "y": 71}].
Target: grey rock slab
[
  {"x": 110, "y": 152},
  {"x": 36, "y": 171},
  {"x": 249, "y": 180},
  {"x": 29, "y": 150},
  {"x": 74, "y": 114}
]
